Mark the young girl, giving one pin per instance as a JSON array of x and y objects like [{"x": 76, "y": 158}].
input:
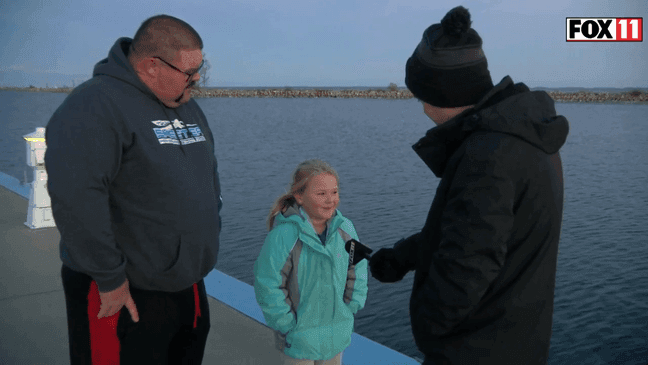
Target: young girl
[{"x": 304, "y": 284}]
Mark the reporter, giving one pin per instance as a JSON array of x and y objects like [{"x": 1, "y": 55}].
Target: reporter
[{"x": 485, "y": 260}]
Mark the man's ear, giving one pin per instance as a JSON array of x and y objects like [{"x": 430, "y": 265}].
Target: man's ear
[
  {"x": 151, "y": 67},
  {"x": 146, "y": 67}
]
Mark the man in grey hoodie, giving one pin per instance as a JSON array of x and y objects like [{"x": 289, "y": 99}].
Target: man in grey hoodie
[{"x": 135, "y": 195}]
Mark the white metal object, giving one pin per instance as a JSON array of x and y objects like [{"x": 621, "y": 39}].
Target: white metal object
[{"x": 39, "y": 212}]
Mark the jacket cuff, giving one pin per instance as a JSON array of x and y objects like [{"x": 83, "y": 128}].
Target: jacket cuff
[
  {"x": 353, "y": 307},
  {"x": 110, "y": 284},
  {"x": 405, "y": 252},
  {"x": 284, "y": 330}
]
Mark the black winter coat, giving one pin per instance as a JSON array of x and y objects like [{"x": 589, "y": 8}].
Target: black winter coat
[{"x": 485, "y": 260}]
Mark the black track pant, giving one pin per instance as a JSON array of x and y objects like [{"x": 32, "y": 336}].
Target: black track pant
[{"x": 172, "y": 329}]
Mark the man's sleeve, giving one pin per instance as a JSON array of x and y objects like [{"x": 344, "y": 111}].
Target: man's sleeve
[
  {"x": 210, "y": 135},
  {"x": 405, "y": 252},
  {"x": 475, "y": 227},
  {"x": 217, "y": 187},
  {"x": 82, "y": 158}
]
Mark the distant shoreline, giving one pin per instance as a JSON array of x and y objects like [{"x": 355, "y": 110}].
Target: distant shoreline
[{"x": 558, "y": 96}]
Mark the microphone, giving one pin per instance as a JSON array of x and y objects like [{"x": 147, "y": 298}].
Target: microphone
[{"x": 357, "y": 251}]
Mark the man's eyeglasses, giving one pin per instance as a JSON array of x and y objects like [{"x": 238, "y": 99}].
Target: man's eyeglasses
[{"x": 190, "y": 75}]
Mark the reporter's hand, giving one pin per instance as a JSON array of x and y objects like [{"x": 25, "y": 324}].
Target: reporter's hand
[
  {"x": 385, "y": 268},
  {"x": 113, "y": 301}
]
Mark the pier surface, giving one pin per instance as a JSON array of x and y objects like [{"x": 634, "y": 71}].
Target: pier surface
[{"x": 33, "y": 326}]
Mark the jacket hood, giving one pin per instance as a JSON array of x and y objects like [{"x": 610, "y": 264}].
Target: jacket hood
[
  {"x": 529, "y": 115},
  {"x": 508, "y": 108},
  {"x": 293, "y": 210},
  {"x": 116, "y": 65}
]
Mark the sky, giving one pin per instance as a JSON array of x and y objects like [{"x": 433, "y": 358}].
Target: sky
[{"x": 302, "y": 43}]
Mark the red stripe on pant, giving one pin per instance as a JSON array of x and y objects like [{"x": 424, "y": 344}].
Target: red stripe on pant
[
  {"x": 197, "y": 303},
  {"x": 104, "y": 344}
]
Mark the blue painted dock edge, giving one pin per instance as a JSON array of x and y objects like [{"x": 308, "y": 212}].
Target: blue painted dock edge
[{"x": 240, "y": 296}]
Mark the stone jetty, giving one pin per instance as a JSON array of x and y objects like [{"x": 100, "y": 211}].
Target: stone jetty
[
  {"x": 558, "y": 96},
  {"x": 590, "y": 97},
  {"x": 304, "y": 93},
  {"x": 573, "y": 97}
]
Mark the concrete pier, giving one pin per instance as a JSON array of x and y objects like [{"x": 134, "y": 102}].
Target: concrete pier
[
  {"x": 33, "y": 323},
  {"x": 32, "y": 303}
]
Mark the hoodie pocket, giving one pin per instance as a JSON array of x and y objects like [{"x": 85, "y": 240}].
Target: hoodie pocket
[
  {"x": 182, "y": 271},
  {"x": 176, "y": 256}
]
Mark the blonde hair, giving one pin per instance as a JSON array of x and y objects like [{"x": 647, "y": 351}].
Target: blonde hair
[{"x": 300, "y": 177}]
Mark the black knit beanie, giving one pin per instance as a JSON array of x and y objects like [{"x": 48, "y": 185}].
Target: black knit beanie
[{"x": 448, "y": 68}]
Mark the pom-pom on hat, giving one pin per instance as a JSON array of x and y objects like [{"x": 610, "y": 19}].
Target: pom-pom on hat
[{"x": 448, "y": 68}]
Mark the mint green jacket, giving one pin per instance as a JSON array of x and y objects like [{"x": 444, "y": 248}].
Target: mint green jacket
[{"x": 307, "y": 291}]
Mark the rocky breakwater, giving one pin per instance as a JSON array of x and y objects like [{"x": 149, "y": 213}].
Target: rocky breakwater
[
  {"x": 558, "y": 96},
  {"x": 640, "y": 97},
  {"x": 590, "y": 97},
  {"x": 303, "y": 93}
]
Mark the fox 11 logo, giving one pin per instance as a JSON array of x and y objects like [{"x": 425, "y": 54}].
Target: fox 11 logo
[{"x": 604, "y": 29}]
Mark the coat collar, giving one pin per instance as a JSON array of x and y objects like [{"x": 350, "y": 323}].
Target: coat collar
[
  {"x": 298, "y": 215},
  {"x": 508, "y": 108},
  {"x": 438, "y": 144}
]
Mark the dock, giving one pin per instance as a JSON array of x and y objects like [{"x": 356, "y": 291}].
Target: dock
[{"x": 33, "y": 328}]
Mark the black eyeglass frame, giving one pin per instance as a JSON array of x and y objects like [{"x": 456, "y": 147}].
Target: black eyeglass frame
[{"x": 189, "y": 75}]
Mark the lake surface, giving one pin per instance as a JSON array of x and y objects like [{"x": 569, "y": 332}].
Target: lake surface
[{"x": 601, "y": 303}]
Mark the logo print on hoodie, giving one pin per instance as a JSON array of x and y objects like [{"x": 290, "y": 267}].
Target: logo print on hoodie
[{"x": 176, "y": 132}]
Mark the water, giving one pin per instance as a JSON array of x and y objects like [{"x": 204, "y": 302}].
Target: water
[{"x": 601, "y": 303}]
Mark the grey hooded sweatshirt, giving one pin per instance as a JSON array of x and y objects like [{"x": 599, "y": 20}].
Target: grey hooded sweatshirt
[{"x": 134, "y": 185}]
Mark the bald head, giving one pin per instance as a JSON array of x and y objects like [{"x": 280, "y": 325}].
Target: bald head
[{"x": 164, "y": 36}]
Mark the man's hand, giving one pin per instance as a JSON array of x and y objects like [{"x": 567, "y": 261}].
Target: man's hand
[
  {"x": 385, "y": 268},
  {"x": 113, "y": 301}
]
